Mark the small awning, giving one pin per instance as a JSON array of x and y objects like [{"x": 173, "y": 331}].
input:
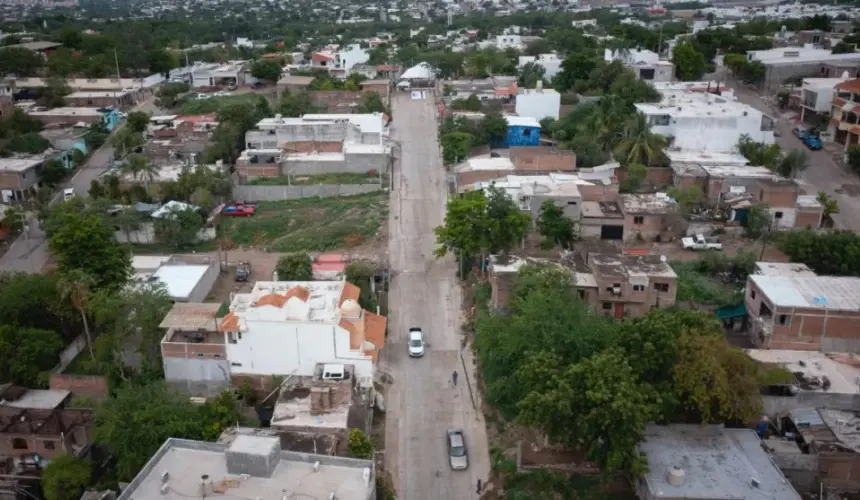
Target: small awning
[{"x": 729, "y": 312}]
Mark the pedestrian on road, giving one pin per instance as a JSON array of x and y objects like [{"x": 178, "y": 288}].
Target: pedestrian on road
[
  {"x": 479, "y": 486},
  {"x": 454, "y": 377}
]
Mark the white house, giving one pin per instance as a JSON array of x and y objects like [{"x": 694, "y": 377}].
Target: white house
[
  {"x": 645, "y": 63},
  {"x": 347, "y": 58},
  {"x": 287, "y": 328},
  {"x": 549, "y": 62},
  {"x": 816, "y": 95},
  {"x": 706, "y": 122},
  {"x": 503, "y": 42},
  {"x": 538, "y": 103}
]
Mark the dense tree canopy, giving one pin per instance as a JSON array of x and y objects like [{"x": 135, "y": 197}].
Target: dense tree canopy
[{"x": 832, "y": 254}]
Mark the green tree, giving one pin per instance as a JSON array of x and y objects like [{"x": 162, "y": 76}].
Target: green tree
[
  {"x": 19, "y": 61},
  {"x": 359, "y": 445},
  {"x": 507, "y": 223},
  {"x": 555, "y": 227},
  {"x": 854, "y": 158},
  {"x": 295, "y": 267},
  {"x": 687, "y": 197},
  {"x": 758, "y": 221},
  {"x": 97, "y": 190},
  {"x": 831, "y": 254},
  {"x": 266, "y": 69},
  {"x": 538, "y": 47},
  {"x": 464, "y": 231},
  {"x": 179, "y": 228},
  {"x": 843, "y": 48},
  {"x": 636, "y": 175},
  {"x": 760, "y": 154},
  {"x": 138, "y": 167},
  {"x": 598, "y": 403},
  {"x": 85, "y": 241},
  {"x": 455, "y": 146},
  {"x": 640, "y": 145},
  {"x": 29, "y": 143},
  {"x": 160, "y": 60},
  {"x": 76, "y": 286},
  {"x": 53, "y": 173},
  {"x": 65, "y": 478},
  {"x": 371, "y": 102},
  {"x": 124, "y": 141},
  {"x": 471, "y": 103},
  {"x": 27, "y": 353},
  {"x": 530, "y": 75},
  {"x": 139, "y": 418},
  {"x": 494, "y": 126},
  {"x": 793, "y": 163},
  {"x": 830, "y": 205},
  {"x": 137, "y": 121},
  {"x": 360, "y": 273},
  {"x": 295, "y": 104},
  {"x": 690, "y": 64}
]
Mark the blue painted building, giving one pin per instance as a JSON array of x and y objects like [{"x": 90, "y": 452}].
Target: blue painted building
[
  {"x": 110, "y": 118},
  {"x": 66, "y": 141},
  {"x": 522, "y": 131}
]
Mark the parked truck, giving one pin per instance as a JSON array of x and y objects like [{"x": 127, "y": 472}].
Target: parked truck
[{"x": 699, "y": 242}]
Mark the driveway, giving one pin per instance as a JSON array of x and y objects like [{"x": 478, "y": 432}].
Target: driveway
[
  {"x": 823, "y": 173},
  {"x": 422, "y": 402},
  {"x": 28, "y": 253}
]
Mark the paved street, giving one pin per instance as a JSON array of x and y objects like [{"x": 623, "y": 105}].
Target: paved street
[
  {"x": 823, "y": 173},
  {"x": 29, "y": 252},
  {"x": 422, "y": 403}
]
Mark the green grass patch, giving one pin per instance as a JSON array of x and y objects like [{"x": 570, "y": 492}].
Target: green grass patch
[
  {"x": 774, "y": 375},
  {"x": 702, "y": 289},
  {"x": 163, "y": 248},
  {"x": 193, "y": 106},
  {"x": 306, "y": 180},
  {"x": 310, "y": 224}
]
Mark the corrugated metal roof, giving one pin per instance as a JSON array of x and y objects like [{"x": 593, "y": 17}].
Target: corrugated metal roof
[{"x": 805, "y": 417}]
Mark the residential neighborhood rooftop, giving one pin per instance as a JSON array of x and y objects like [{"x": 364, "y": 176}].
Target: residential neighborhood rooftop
[
  {"x": 250, "y": 467},
  {"x": 322, "y": 299},
  {"x": 709, "y": 461},
  {"x": 657, "y": 203},
  {"x": 811, "y": 367},
  {"x": 783, "y": 269},
  {"x": 21, "y": 163},
  {"x": 840, "y": 293}
]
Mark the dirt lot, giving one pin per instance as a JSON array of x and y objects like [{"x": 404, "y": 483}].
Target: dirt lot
[{"x": 312, "y": 224}]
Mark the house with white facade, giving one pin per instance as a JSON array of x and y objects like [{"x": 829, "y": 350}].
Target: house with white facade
[
  {"x": 816, "y": 96},
  {"x": 538, "y": 103},
  {"x": 645, "y": 63},
  {"x": 218, "y": 74},
  {"x": 550, "y": 63},
  {"x": 706, "y": 122},
  {"x": 280, "y": 328}
]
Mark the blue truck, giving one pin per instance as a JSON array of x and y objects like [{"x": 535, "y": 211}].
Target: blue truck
[{"x": 809, "y": 139}]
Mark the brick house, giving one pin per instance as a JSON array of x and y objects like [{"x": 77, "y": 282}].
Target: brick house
[
  {"x": 613, "y": 284},
  {"x": 649, "y": 216},
  {"x": 790, "y": 307}
]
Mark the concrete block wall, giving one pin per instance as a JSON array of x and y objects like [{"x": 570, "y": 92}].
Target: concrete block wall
[
  {"x": 282, "y": 193},
  {"x": 351, "y": 163},
  {"x": 197, "y": 377},
  {"x": 89, "y": 386}
]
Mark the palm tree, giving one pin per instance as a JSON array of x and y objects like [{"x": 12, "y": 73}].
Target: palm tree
[
  {"x": 75, "y": 285},
  {"x": 139, "y": 166},
  {"x": 639, "y": 144}
]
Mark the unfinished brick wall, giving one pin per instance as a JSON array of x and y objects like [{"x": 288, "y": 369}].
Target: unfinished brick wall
[
  {"x": 88, "y": 386},
  {"x": 543, "y": 159}
]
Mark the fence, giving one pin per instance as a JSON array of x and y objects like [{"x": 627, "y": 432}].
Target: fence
[{"x": 281, "y": 193}]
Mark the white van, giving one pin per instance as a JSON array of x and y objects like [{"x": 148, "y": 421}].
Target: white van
[{"x": 68, "y": 194}]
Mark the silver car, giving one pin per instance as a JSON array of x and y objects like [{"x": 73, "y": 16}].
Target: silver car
[{"x": 457, "y": 455}]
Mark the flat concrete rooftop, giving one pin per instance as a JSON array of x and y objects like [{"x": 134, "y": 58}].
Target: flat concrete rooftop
[{"x": 187, "y": 463}]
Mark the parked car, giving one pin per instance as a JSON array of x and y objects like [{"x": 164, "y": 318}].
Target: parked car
[
  {"x": 416, "y": 342},
  {"x": 239, "y": 209},
  {"x": 457, "y": 454},
  {"x": 808, "y": 138},
  {"x": 243, "y": 271},
  {"x": 68, "y": 194},
  {"x": 699, "y": 242}
]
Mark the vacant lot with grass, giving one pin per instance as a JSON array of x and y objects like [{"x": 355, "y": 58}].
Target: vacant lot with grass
[
  {"x": 306, "y": 180},
  {"x": 311, "y": 224}
]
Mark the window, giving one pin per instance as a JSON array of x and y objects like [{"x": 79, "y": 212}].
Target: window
[
  {"x": 571, "y": 203},
  {"x": 581, "y": 294},
  {"x": 199, "y": 355},
  {"x": 639, "y": 219},
  {"x": 19, "y": 444},
  {"x": 232, "y": 337},
  {"x": 784, "y": 320},
  {"x": 235, "y": 364},
  {"x": 752, "y": 294},
  {"x": 607, "y": 306},
  {"x": 216, "y": 356},
  {"x": 661, "y": 287},
  {"x": 49, "y": 445},
  {"x": 527, "y": 132},
  {"x": 659, "y": 120},
  {"x": 638, "y": 288},
  {"x": 777, "y": 215}
]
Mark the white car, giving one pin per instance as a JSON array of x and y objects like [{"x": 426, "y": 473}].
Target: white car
[
  {"x": 699, "y": 242},
  {"x": 68, "y": 194},
  {"x": 416, "y": 343}
]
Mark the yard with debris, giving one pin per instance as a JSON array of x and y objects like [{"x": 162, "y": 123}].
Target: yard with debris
[
  {"x": 333, "y": 178},
  {"x": 311, "y": 224}
]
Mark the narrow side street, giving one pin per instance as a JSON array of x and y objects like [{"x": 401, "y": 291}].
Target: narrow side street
[
  {"x": 422, "y": 401},
  {"x": 823, "y": 174},
  {"x": 29, "y": 253}
]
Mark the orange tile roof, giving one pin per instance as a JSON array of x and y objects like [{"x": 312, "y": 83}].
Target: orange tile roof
[
  {"x": 230, "y": 323},
  {"x": 850, "y": 86},
  {"x": 354, "y": 335},
  {"x": 300, "y": 292},
  {"x": 350, "y": 291},
  {"x": 374, "y": 329},
  {"x": 272, "y": 299}
]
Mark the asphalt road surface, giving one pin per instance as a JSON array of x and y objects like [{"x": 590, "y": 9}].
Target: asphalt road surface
[
  {"x": 422, "y": 402},
  {"x": 29, "y": 253}
]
